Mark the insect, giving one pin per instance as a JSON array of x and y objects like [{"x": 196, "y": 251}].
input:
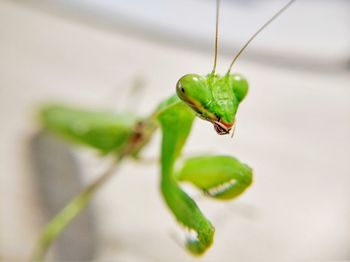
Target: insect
[{"x": 213, "y": 97}]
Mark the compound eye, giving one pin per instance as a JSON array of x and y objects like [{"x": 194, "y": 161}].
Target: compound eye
[{"x": 180, "y": 88}]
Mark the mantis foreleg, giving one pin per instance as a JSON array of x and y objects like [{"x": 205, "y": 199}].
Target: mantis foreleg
[{"x": 176, "y": 123}]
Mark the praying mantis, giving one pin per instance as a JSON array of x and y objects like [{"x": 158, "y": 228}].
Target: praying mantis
[{"x": 214, "y": 98}]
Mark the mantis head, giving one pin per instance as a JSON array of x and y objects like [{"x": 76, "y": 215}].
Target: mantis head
[{"x": 214, "y": 98}]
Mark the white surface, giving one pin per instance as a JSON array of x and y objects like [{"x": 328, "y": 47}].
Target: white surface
[
  {"x": 309, "y": 34},
  {"x": 293, "y": 129}
]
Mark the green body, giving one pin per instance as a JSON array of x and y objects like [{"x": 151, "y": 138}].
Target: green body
[{"x": 213, "y": 98}]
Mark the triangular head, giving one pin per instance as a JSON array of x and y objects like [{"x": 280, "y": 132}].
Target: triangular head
[
  {"x": 213, "y": 97},
  {"x": 216, "y": 98}
]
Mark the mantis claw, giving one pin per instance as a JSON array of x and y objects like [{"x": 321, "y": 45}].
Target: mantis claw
[{"x": 220, "y": 177}]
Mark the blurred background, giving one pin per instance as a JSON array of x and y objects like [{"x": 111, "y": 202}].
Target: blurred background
[{"x": 293, "y": 128}]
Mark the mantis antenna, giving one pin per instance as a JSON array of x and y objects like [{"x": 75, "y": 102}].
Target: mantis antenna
[
  {"x": 216, "y": 35},
  {"x": 257, "y": 32}
]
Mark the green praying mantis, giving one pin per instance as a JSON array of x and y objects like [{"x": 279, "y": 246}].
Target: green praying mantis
[{"x": 213, "y": 97}]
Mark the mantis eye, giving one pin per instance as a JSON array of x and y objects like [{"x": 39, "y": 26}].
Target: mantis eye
[
  {"x": 189, "y": 85},
  {"x": 180, "y": 89}
]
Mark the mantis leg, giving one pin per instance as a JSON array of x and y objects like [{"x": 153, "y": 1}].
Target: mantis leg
[
  {"x": 176, "y": 122},
  {"x": 221, "y": 177},
  {"x": 106, "y": 131},
  {"x": 101, "y": 130}
]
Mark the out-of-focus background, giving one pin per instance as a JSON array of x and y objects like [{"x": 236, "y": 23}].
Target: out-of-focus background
[{"x": 293, "y": 128}]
